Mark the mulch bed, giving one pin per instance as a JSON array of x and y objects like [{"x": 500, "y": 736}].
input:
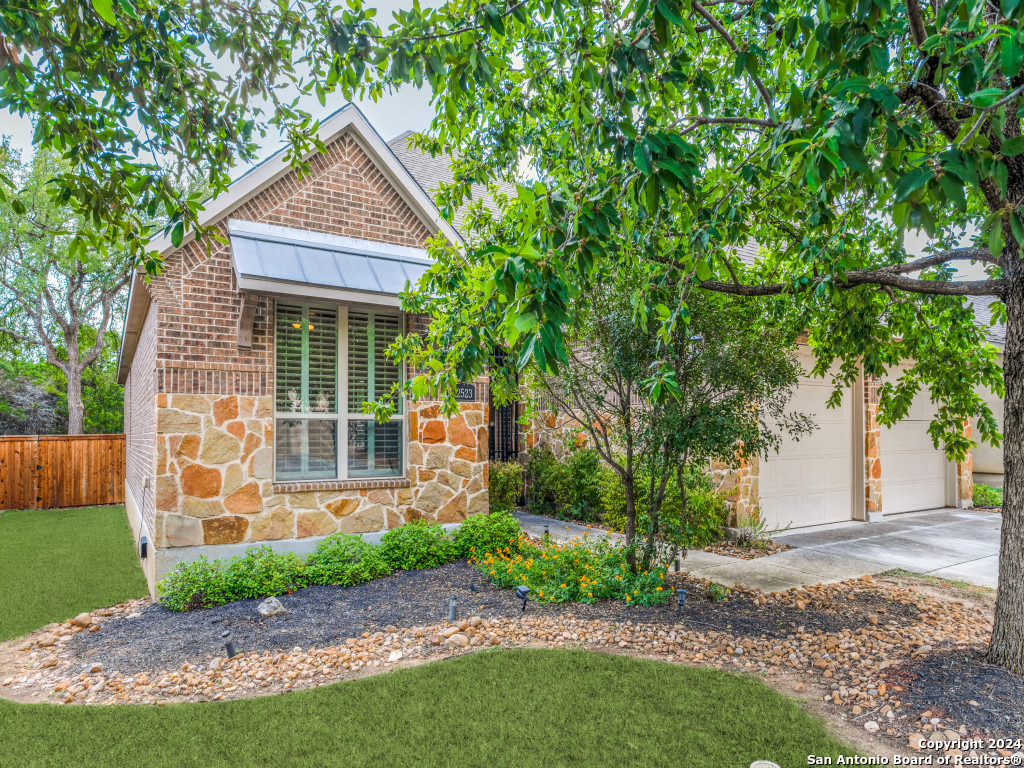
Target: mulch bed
[
  {"x": 731, "y": 549},
  {"x": 958, "y": 684},
  {"x": 326, "y": 615}
]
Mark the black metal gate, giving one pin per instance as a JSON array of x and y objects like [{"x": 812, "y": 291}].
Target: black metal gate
[{"x": 503, "y": 426}]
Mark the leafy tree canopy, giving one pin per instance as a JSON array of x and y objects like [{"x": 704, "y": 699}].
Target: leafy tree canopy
[
  {"x": 822, "y": 131},
  {"x": 128, "y": 90}
]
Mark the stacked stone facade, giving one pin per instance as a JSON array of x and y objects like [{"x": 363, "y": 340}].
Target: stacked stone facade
[
  {"x": 214, "y": 469},
  {"x": 872, "y": 449}
]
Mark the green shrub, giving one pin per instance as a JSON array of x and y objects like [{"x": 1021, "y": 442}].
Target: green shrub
[
  {"x": 481, "y": 534},
  {"x": 417, "y": 545},
  {"x": 197, "y": 584},
  {"x": 577, "y": 571},
  {"x": 699, "y": 526},
  {"x": 506, "y": 485},
  {"x": 346, "y": 560},
  {"x": 988, "y": 496},
  {"x": 262, "y": 572},
  {"x": 582, "y": 478},
  {"x": 546, "y": 483}
]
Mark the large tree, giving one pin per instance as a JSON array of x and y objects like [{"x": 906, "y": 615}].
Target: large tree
[
  {"x": 821, "y": 130},
  {"x": 54, "y": 297}
]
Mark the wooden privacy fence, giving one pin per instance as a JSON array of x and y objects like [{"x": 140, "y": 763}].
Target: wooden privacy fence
[{"x": 43, "y": 471}]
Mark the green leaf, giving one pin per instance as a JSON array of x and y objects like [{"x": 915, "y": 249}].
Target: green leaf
[
  {"x": 912, "y": 182},
  {"x": 986, "y": 97},
  {"x": 178, "y": 234},
  {"x": 1012, "y": 147},
  {"x": 105, "y": 8},
  {"x": 995, "y": 238},
  {"x": 954, "y": 190},
  {"x": 642, "y": 156}
]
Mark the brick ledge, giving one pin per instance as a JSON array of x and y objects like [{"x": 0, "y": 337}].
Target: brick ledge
[{"x": 343, "y": 485}]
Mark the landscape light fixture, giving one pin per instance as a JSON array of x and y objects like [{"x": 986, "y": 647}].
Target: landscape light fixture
[
  {"x": 682, "y": 599},
  {"x": 521, "y": 592},
  {"x": 451, "y": 609},
  {"x": 229, "y": 644},
  {"x": 545, "y": 531},
  {"x": 143, "y": 547}
]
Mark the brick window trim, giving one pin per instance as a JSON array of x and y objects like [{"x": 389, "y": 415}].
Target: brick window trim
[{"x": 343, "y": 485}]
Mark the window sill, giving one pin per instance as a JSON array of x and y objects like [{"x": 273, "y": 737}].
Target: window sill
[{"x": 367, "y": 484}]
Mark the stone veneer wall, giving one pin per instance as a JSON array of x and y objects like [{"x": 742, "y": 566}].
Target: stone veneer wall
[
  {"x": 872, "y": 448},
  {"x": 214, "y": 476},
  {"x": 965, "y": 475}
]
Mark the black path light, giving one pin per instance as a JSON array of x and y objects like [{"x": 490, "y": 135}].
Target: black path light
[
  {"x": 229, "y": 644},
  {"x": 451, "y": 609},
  {"x": 521, "y": 592},
  {"x": 545, "y": 530},
  {"x": 682, "y": 599}
]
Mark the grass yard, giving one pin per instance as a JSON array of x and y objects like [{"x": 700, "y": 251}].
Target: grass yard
[
  {"x": 57, "y": 563},
  {"x": 496, "y": 708}
]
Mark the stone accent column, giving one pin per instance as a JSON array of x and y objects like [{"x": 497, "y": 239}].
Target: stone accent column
[
  {"x": 872, "y": 451},
  {"x": 745, "y": 508},
  {"x": 965, "y": 475}
]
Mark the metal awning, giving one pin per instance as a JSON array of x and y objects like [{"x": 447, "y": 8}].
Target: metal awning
[{"x": 293, "y": 262}]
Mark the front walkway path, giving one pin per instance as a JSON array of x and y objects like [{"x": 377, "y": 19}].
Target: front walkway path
[{"x": 948, "y": 543}]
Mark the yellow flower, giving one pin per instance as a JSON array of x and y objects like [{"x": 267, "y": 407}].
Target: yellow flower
[
  {"x": 658, "y": 589},
  {"x": 590, "y": 594},
  {"x": 563, "y": 586}
]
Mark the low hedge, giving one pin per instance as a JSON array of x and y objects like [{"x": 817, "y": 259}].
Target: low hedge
[{"x": 339, "y": 559}]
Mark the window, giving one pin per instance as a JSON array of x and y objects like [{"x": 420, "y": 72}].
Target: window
[{"x": 329, "y": 361}]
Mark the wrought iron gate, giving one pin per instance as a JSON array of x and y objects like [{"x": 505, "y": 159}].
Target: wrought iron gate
[{"x": 503, "y": 425}]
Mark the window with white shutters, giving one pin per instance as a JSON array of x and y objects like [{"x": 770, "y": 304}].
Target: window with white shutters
[{"x": 329, "y": 361}]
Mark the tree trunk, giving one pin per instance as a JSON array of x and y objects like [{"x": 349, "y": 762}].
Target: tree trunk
[
  {"x": 630, "y": 490},
  {"x": 76, "y": 411},
  {"x": 1007, "y": 646}
]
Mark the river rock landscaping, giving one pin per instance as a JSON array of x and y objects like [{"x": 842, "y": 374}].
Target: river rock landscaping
[{"x": 877, "y": 655}]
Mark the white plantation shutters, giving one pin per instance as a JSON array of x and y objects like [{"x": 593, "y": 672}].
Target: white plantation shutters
[
  {"x": 329, "y": 361},
  {"x": 373, "y": 449}
]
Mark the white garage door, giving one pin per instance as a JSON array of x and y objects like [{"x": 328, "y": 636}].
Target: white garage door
[
  {"x": 913, "y": 471},
  {"x": 809, "y": 482}
]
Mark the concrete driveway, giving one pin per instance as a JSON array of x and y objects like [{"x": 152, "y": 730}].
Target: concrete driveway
[
  {"x": 954, "y": 544},
  {"x": 959, "y": 545}
]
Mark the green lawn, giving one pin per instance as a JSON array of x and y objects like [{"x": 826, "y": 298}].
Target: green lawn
[
  {"x": 490, "y": 708},
  {"x": 57, "y": 563}
]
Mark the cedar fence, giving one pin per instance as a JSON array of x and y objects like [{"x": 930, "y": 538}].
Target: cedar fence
[{"x": 44, "y": 471}]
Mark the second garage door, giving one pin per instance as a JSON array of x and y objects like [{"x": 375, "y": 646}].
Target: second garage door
[
  {"x": 810, "y": 481},
  {"x": 913, "y": 471}
]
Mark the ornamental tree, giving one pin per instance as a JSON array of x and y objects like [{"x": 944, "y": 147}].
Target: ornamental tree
[
  {"x": 726, "y": 378},
  {"x": 821, "y": 130}
]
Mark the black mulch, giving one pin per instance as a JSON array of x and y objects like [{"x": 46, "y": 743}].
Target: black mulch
[
  {"x": 324, "y": 616},
  {"x": 946, "y": 682}
]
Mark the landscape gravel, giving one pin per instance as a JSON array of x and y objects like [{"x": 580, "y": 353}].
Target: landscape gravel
[{"x": 884, "y": 658}]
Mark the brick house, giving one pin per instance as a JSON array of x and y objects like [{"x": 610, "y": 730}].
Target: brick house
[{"x": 246, "y": 362}]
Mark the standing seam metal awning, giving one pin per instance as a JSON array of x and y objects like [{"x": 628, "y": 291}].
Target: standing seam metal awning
[{"x": 280, "y": 260}]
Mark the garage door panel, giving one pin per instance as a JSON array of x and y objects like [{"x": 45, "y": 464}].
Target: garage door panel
[
  {"x": 809, "y": 481},
  {"x": 913, "y": 470}
]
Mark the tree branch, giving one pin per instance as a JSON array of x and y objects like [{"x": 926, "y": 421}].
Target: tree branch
[
  {"x": 717, "y": 26},
  {"x": 868, "y": 277}
]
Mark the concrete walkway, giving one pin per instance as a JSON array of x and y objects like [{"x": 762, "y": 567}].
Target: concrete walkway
[{"x": 948, "y": 543}]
